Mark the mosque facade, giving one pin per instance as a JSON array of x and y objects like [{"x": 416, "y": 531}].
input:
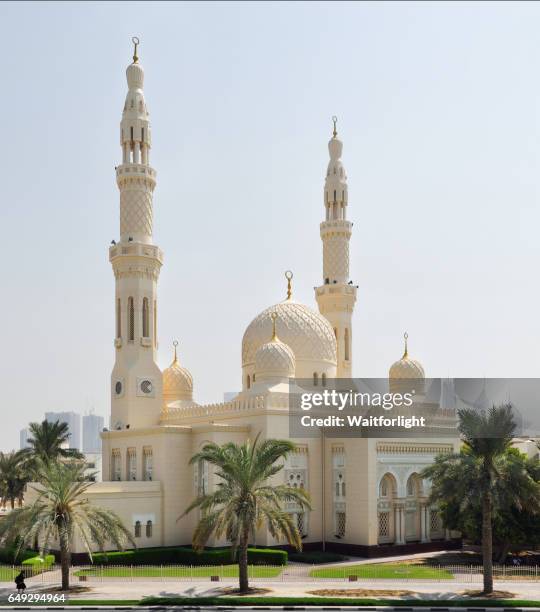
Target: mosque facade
[{"x": 367, "y": 495}]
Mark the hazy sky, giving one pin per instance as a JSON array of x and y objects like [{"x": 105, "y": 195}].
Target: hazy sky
[{"x": 438, "y": 110}]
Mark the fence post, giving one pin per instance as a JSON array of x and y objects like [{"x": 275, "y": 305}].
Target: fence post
[
  {"x": 161, "y": 572},
  {"x": 132, "y": 573}
]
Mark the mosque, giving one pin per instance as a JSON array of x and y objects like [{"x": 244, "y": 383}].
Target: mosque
[{"x": 366, "y": 494}]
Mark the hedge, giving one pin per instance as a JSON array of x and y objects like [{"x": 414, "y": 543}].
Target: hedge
[
  {"x": 316, "y": 556},
  {"x": 183, "y": 555}
]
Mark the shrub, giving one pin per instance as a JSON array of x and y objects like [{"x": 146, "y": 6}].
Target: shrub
[
  {"x": 182, "y": 555},
  {"x": 38, "y": 561}
]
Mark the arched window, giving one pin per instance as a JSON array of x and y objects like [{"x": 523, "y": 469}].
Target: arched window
[
  {"x": 323, "y": 379},
  {"x": 413, "y": 485},
  {"x": 347, "y": 344},
  {"x": 315, "y": 379},
  {"x": 388, "y": 486},
  {"x": 155, "y": 323},
  {"x": 145, "y": 319},
  {"x": 118, "y": 319},
  {"x": 137, "y": 529},
  {"x": 148, "y": 529},
  {"x": 248, "y": 382},
  {"x": 131, "y": 320}
]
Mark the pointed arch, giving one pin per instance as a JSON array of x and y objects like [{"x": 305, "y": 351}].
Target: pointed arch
[
  {"x": 118, "y": 318},
  {"x": 131, "y": 319},
  {"x": 145, "y": 318}
]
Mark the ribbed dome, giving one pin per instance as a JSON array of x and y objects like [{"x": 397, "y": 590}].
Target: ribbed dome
[
  {"x": 307, "y": 333},
  {"x": 135, "y": 76},
  {"x": 274, "y": 359},
  {"x": 403, "y": 371},
  {"x": 406, "y": 368},
  {"x": 177, "y": 382}
]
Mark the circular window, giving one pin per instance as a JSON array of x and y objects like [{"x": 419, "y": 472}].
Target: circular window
[
  {"x": 118, "y": 388},
  {"x": 146, "y": 386}
]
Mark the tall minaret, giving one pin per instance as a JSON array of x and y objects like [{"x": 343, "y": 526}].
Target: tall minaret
[
  {"x": 336, "y": 297},
  {"x": 136, "y": 381}
]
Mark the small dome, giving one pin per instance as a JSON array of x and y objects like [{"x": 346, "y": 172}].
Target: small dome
[
  {"x": 274, "y": 359},
  {"x": 177, "y": 382},
  {"x": 403, "y": 371}
]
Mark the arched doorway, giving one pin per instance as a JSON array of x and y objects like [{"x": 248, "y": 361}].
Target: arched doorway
[
  {"x": 386, "y": 510},
  {"x": 414, "y": 492}
]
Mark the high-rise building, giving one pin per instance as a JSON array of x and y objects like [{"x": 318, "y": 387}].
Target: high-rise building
[
  {"x": 23, "y": 438},
  {"x": 73, "y": 421},
  {"x": 92, "y": 426}
]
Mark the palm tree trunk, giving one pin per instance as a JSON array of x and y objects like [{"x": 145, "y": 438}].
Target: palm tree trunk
[
  {"x": 243, "y": 564},
  {"x": 487, "y": 543},
  {"x": 65, "y": 558}
]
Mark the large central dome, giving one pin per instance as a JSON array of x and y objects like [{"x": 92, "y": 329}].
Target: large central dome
[{"x": 306, "y": 332}]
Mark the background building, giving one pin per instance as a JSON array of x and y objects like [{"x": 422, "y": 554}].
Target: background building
[
  {"x": 92, "y": 427},
  {"x": 23, "y": 438},
  {"x": 73, "y": 421}
]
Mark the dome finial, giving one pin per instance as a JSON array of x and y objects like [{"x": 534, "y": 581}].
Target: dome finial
[
  {"x": 334, "y": 119},
  {"x": 406, "y": 352},
  {"x": 175, "y": 344},
  {"x": 289, "y": 276},
  {"x": 274, "y": 316},
  {"x": 135, "y": 42}
]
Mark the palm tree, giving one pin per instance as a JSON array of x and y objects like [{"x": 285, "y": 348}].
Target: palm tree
[
  {"x": 14, "y": 476},
  {"x": 244, "y": 498},
  {"x": 485, "y": 473},
  {"x": 60, "y": 513},
  {"x": 48, "y": 441}
]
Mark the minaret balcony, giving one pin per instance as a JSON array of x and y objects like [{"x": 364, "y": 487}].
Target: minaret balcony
[
  {"x": 135, "y": 169},
  {"x": 336, "y": 289},
  {"x": 135, "y": 249},
  {"x": 336, "y": 226}
]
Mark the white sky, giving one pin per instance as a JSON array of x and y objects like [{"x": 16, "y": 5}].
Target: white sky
[{"x": 438, "y": 110}]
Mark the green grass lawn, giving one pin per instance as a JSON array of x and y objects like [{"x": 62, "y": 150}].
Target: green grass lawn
[
  {"x": 383, "y": 570},
  {"x": 6, "y": 573},
  {"x": 149, "y": 571}
]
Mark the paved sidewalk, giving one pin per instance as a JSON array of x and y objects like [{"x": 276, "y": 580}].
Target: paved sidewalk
[{"x": 139, "y": 589}]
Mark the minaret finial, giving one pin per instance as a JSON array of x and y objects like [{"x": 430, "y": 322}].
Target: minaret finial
[
  {"x": 289, "y": 276},
  {"x": 273, "y": 316},
  {"x": 135, "y": 42},
  {"x": 334, "y": 119},
  {"x": 175, "y": 344},
  {"x": 405, "y": 352}
]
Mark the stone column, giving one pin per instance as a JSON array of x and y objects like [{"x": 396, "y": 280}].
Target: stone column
[
  {"x": 400, "y": 525},
  {"x": 428, "y": 524}
]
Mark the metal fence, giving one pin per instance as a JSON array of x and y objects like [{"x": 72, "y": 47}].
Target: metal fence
[{"x": 382, "y": 573}]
